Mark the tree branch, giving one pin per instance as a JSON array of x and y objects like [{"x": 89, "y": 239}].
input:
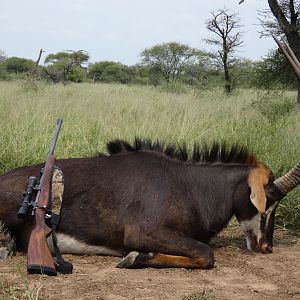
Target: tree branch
[{"x": 280, "y": 17}]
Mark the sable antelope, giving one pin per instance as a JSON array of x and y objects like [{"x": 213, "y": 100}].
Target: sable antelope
[{"x": 155, "y": 205}]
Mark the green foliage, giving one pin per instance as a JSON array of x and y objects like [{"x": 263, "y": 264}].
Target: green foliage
[
  {"x": 3, "y": 73},
  {"x": 144, "y": 74},
  {"x": 274, "y": 71},
  {"x": 77, "y": 74},
  {"x": 243, "y": 73},
  {"x": 55, "y": 72},
  {"x": 18, "y": 65},
  {"x": 109, "y": 71},
  {"x": 169, "y": 59},
  {"x": 66, "y": 66},
  {"x": 77, "y": 58},
  {"x": 201, "y": 74}
]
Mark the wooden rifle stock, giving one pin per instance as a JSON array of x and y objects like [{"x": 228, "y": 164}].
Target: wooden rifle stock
[{"x": 39, "y": 257}]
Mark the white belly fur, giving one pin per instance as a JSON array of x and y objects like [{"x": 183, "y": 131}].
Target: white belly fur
[{"x": 68, "y": 244}]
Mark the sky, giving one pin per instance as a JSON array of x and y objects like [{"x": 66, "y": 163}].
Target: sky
[{"x": 119, "y": 30}]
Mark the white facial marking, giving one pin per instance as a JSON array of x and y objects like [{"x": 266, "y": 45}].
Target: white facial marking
[
  {"x": 70, "y": 245},
  {"x": 253, "y": 226},
  {"x": 269, "y": 211}
]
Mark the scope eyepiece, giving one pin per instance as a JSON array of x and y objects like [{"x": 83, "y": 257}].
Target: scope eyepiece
[{"x": 24, "y": 210}]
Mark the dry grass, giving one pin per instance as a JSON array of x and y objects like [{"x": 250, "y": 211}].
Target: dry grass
[
  {"x": 20, "y": 287},
  {"x": 268, "y": 123}
]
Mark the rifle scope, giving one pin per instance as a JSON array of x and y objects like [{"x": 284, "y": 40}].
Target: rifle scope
[{"x": 27, "y": 201}]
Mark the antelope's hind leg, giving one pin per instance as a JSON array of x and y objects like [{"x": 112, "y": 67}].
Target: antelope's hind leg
[
  {"x": 136, "y": 260},
  {"x": 165, "y": 250}
]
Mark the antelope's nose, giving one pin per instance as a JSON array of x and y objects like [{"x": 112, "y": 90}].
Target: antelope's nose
[
  {"x": 270, "y": 249},
  {"x": 265, "y": 248}
]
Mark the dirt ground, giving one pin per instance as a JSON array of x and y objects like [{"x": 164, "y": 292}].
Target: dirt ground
[{"x": 238, "y": 274}]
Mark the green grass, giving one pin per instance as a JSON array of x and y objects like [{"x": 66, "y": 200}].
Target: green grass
[{"x": 268, "y": 123}]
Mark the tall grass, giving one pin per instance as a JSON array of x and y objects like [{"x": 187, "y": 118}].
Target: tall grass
[{"x": 96, "y": 113}]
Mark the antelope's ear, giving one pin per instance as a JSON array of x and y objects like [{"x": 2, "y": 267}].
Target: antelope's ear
[{"x": 257, "y": 180}]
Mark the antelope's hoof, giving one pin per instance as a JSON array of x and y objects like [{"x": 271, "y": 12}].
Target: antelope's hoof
[{"x": 128, "y": 261}]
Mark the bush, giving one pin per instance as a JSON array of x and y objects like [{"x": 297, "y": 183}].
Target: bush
[
  {"x": 3, "y": 73},
  {"x": 274, "y": 71},
  {"x": 18, "y": 65},
  {"x": 109, "y": 71},
  {"x": 77, "y": 74}
]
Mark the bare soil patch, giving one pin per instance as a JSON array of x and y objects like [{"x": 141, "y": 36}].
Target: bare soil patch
[{"x": 238, "y": 274}]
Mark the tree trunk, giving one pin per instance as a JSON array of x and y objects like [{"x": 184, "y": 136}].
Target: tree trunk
[
  {"x": 227, "y": 82},
  {"x": 226, "y": 74},
  {"x": 35, "y": 68},
  {"x": 294, "y": 42}
]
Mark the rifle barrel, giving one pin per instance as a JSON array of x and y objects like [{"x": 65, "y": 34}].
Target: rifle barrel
[{"x": 59, "y": 122}]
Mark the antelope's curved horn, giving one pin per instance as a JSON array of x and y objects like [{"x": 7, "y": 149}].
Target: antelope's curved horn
[{"x": 289, "y": 181}]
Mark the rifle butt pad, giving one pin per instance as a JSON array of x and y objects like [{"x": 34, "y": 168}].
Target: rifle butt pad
[{"x": 39, "y": 269}]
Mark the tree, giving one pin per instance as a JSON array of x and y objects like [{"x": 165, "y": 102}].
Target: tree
[
  {"x": 66, "y": 65},
  {"x": 169, "y": 59},
  {"x": 201, "y": 72},
  {"x": 274, "y": 70},
  {"x": 282, "y": 19},
  {"x": 145, "y": 74},
  {"x": 18, "y": 65},
  {"x": 110, "y": 71},
  {"x": 225, "y": 26},
  {"x": 243, "y": 75}
]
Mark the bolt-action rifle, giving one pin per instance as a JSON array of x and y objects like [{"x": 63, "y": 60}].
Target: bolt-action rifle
[{"x": 39, "y": 257}]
